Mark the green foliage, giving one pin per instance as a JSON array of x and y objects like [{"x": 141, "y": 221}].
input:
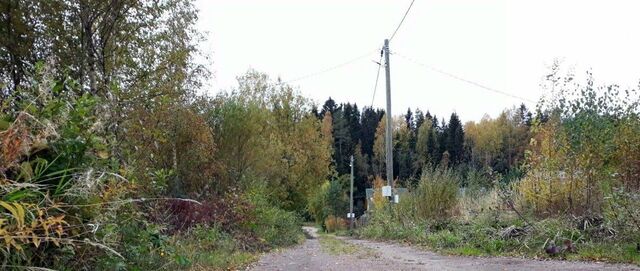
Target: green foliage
[
  {"x": 329, "y": 201},
  {"x": 609, "y": 251},
  {"x": 582, "y": 150},
  {"x": 200, "y": 248},
  {"x": 485, "y": 235},
  {"x": 265, "y": 132},
  {"x": 275, "y": 226},
  {"x": 499, "y": 144},
  {"x": 96, "y": 141},
  {"x": 142, "y": 244},
  {"x": 425, "y": 144},
  {"x": 444, "y": 239},
  {"x": 436, "y": 195},
  {"x": 91, "y": 41},
  {"x": 204, "y": 249},
  {"x": 385, "y": 225},
  {"x": 334, "y": 246},
  {"x": 173, "y": 139},
  {"x": 63, "y": 205}
]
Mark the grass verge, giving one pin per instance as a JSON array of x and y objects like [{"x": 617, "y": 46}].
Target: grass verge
[
  {"x": 334, "y": 246},
  {"x": 481, "y": 238}
]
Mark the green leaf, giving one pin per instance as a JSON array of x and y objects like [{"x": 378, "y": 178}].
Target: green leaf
[
  {"x": 58, "y": 87},
  {"x": 26, "y": 172},
  {"x": 19, "y": 195},
  {"x": 182, "y": 261},
  {"x": 4, "y": 125}
]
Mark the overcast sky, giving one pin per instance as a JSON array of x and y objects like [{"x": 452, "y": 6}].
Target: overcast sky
[{"x": 505, "y": 45}]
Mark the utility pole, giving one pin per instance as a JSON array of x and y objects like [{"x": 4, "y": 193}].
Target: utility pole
[
  {"x": 388, "y": 143},
  {"x": 351, "y": 214}
]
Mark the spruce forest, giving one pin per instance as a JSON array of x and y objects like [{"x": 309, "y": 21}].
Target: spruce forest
[{"x": 114, "y": 157}]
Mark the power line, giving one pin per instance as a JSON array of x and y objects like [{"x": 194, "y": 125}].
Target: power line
[
  {"x": 327, "y": 69},
  {"x": 375, "y": 86},
  {"x": 401, "y": 21},
  {"x": 463, "y": 79}
]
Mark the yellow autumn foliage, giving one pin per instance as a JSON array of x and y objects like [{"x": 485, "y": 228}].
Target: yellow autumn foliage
[{"x": 378, "y": 200}]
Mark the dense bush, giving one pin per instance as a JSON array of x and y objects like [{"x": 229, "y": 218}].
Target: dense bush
[
  {"x": 263, "y": 130},
  {"x": 273, "y": 225},
  {"x": 110, "y": 161},
  {"x": 203, "y": 248},
  {"x": 436, "y": 196},
  {"x": 58, "y": 187},
  {"x": 329, "y": 203},
  {"x": 334, "y": 224},
  {"x": 277, "y": 227},
  {"x": 230, "y": 213},
  {"x": 582, "y": 149},
  {"x": 578, "y": 185},
  {"x": 69, "y": 201}
]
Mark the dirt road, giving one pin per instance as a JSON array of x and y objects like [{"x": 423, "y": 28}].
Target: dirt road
[{"x": 351, "y": 254}]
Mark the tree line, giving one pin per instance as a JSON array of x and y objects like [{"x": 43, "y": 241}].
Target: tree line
[{"x": 422, "y": 140}]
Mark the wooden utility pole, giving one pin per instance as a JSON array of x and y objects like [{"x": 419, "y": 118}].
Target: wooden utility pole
[
  {"x": 351, "y": 214},
  {"x": 388, "y": 143}
]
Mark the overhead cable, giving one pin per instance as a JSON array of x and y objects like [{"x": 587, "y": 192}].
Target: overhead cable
[{"x": 482, "y": 86}]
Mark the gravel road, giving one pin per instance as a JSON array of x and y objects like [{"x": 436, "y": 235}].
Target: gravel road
[{"x": 388, "y": 256}]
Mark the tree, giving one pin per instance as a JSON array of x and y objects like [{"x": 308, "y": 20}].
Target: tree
[
  {"x": 425, "y": 145},
  {"x": 327, "y": 128},
  {"x": 498, "y": 144},
  {"x": 403, "y": 153},
  {"x": 420, "y": 119},
  {"x": 455, "y": 140},
  {"x": 186, "y": 148},
  {"x": 329, "y": 106},
  {"x": 362, "y": 169},
  {"x": 408, "y": 119},
  {"x": 485, "y": 140},
  {"x": 379, "y": 151},
  {"x": 133, "y": 55},
  {"x": 442, "y": 138},
  {"x": 352, "y": 115},
  {"x": 574, "y": 151},
  {"x": 342, "y": 142},
  {"x": 266, "y": 133},
  {"x": 141, "y": 48},
  {"x": 329, "y": 199},
  {"x": 369, "y": 123}
]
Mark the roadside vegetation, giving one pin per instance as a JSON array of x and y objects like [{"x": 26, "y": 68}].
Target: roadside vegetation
[
  {"x": 110, "y": 160},
  {"x": 114, "y": 157},
  {"x": 573, "y": 196},
  {"x": 334, "y": 246}
]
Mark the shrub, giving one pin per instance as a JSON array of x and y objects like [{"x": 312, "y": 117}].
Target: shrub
[
  {"x": 143, "y": 245},
  {"x": 328, "y": 200},
  {"x": 230, "y": 212},
  {"x": 474, "y": 204},
  {"x": 56, "y": 183},
  {"x": 436, "y": 195},
  {"x": 274, "y": 226},
  {"x": 378, "y": 200},
  {"x": 444, "y": 239},
  {"x": 317, "y": 206},
  {"x": 383, "y": 225},
  {"x": 586, "y": 143},
  {"x": 277, "y": 227},
  {"x": 205, "y": 248},
  {"x": 333, "y": 223}
]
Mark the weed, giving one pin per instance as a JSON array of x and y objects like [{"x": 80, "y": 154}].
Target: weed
[{"x": 334, "y": 246}]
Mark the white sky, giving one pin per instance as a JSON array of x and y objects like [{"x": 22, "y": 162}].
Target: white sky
[{"x": 502, "y": 44}]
